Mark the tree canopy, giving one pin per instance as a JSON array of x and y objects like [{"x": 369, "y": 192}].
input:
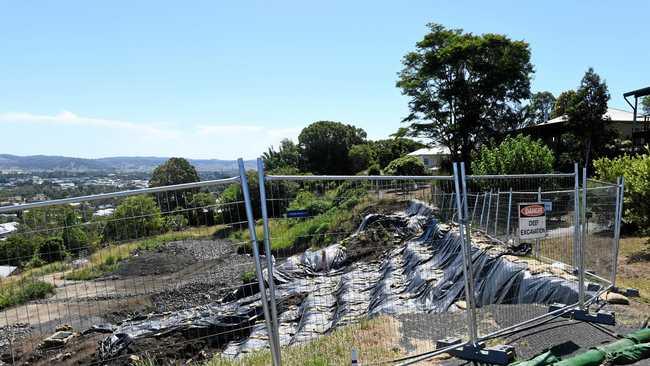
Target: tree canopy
[
  {"x": 539, "y": 109},
  {"x": 464, "y": 89},
  {"x": 326, "y": 145},
  {"x": 287, "y": 155},
  {"x": 562, "y": 103},
  {"x": 173, "y": 171},
  {"x": 586, "y": 116}
]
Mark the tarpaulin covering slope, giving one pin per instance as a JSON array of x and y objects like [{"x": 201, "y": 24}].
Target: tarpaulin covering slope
[{"x": 320, "y": 289}]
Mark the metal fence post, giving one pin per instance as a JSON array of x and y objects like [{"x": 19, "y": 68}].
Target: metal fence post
[
  {"x": 583, "y": 241},
  {"x": 480, "y": 224},
  {"x": 496, "y": 213},
  {"x": 538, "y": 243},
  {"x": 467, "y": 255},
  {"x": 474, "y": 210},
  {"x": 576, "y": 217},
  {"x": 269, "y": 257},
  {"x": 258, "y": 265},
  {"x": 487, "y": 219},
  {"x": 509, "y": 213},
  {"x": 620, "y": 189}
]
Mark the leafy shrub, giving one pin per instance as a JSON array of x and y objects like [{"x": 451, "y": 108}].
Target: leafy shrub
[
  {"x": 636, "y": 171},
  {"x": 51, "y": 249},
  {"x": 406, "y": 165},
  {"x": 361, "y": 156},
  {"x": 15, "y": 293},
  {"x": 374, "y": 169},
  {"x": 515, "y": 155},
  {"x": 313, "y": 204},
  {"x": 135, "y": 217},
  {"x": 248, "y": 276},
  {"x": 17, "y": 250}
]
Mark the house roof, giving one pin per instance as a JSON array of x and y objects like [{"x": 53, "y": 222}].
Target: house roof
[
  {"x": 8, "y": 227},
  {"x": 434, "y": 150},
  {"x": 615, "y": 115},
  {"x": 5, "y": 271}
]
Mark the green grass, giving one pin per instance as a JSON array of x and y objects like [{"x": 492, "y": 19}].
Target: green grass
[
  {"x": 19, "y": 292},
  {"x": 316, "y": 231}
]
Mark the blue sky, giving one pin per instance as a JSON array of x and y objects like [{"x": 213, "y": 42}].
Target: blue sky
[{"x": 220, "y": 79}]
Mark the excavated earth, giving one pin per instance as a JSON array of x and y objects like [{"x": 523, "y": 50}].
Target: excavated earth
[{"x": 402, "y": 264}]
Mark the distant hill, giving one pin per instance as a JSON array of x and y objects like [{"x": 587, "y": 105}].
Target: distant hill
[{"x": 122, "y": 163}]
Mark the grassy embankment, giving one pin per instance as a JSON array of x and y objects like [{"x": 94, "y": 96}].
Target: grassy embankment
[{"x": 32, "y": 283}]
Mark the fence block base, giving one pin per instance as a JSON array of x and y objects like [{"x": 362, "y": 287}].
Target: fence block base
[
  {"x": 498, "y": 355},
  {"x": 601, "y": 317}
]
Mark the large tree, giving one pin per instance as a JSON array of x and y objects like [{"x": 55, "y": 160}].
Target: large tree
[
  {"x": 562, "y": 103},
  {"x": 539, "y": 109},
  {"x": 326, "y": 145},
  {"x": 287, "y": 156},
  {"x": 174, "y": 171},
  {"x": 464, "y": 89},
  {"x": 586, "y": 116}
]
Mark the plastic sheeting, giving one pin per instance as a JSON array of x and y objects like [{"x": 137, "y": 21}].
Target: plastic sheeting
[{"x": 318, "y": 290}]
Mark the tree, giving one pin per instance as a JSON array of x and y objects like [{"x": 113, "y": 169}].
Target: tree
[
  {"x": 361, "y": 157},
  {"x": 515, "y": 155},
  {"x": 326, "y": 145},
  {"x": 174, "y": 171},
  {"x": 645, "y": 105},
  {"x": 539, "y": 109},
  {"x": 586, "y": 115},
  {"x": 464, "y": 89},
  {"x": 388, "y": 150},
  {"x": 135, "y": 217},
  {"x": 287, "y": 155},
  {"x": 406, "y": 165},
  {"x": 562, "y": 103}
]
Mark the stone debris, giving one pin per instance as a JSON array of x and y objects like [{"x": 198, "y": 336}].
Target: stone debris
[{"x": 57, "y": 340}]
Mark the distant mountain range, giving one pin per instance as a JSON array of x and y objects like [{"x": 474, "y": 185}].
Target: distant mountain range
[{"x": 119, "y": 163}]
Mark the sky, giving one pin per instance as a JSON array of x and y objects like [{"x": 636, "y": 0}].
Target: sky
[{"x": 216, "y": 79}]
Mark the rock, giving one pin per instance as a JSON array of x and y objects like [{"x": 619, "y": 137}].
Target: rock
[
  {"x": 461, "y": 304},
  {"x": 614, "y": 298},
  {"x": 134, "y": 359},
  {"x": 64, "y": 328},
  {"x": 57, "y": 340}
]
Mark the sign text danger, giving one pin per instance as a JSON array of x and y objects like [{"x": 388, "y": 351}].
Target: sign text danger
[{"x": 532, "y": 220}]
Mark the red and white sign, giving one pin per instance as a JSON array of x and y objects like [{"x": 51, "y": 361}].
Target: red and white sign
[{"x": 532, "y": 220}]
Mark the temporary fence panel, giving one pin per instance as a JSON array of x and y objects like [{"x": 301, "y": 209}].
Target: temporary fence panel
[
  {"x": 369, "y": 257},
  {"x": 162, "y": 271}
]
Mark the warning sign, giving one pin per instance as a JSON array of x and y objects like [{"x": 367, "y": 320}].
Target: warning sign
[{"x": 532, "y": 220}]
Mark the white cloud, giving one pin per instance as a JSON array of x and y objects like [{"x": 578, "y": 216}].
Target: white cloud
[
  {"x": 206, "y": 140},
  {"x": 69, "y": 118}
]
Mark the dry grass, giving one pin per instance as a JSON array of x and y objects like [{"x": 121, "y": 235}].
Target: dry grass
[
  {"x": 376, "y": 340},
  {"x": 634, "y": 274}
]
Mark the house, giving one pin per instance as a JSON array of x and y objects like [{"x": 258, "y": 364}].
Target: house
[
  {"x": 8, "y": 228},
  {"x": 617, "y": 119},
  {"x": 432, "y": 157}
]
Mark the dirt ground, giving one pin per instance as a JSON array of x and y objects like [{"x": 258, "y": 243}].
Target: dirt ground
[{"x": 176, "y": 276}]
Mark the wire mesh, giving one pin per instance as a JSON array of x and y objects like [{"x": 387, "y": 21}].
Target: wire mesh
[
  {"x": 600, "y": 248},
  {"x": 142, "y": 261},
  {"x": 358, "y": 254}
]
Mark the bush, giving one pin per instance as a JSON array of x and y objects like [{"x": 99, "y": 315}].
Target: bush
[
  {"x": 17, "y": 250},
  {"x": 374, "y": 170},
  {"x": 361, "y": 156},
  {"x": 51, "y": 249},
  {"x": 135, "y": 217},
  {"x": 636, "y": 171},
  {"x": 313, "y": 204},
  {"x": 515, "y": 155},
  {"x": 406, "y": 165},
  {"x": 20, "y": 292}
]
